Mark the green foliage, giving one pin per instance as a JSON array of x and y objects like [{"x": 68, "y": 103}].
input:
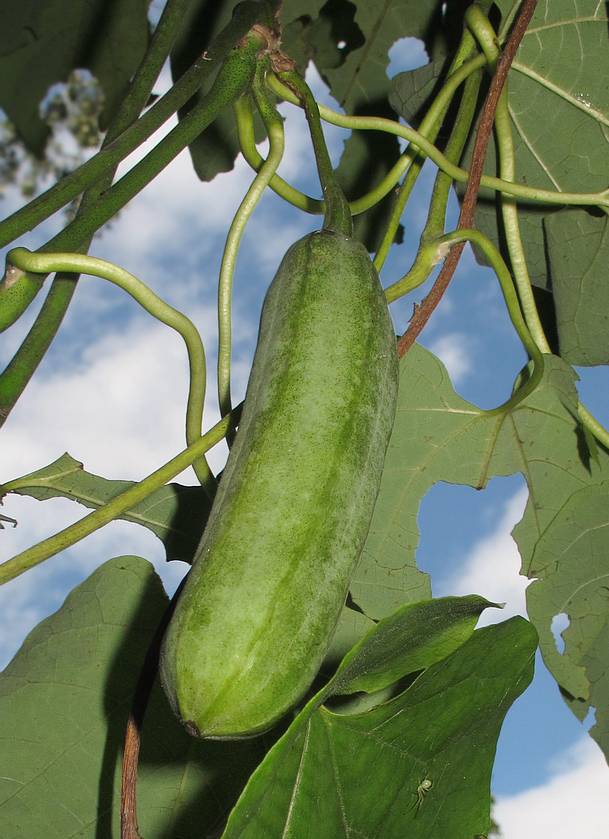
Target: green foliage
[
  {"x": 64, "y": 716},
  {"x": 174, "y": 513},
  {"x": 310, "y": 783},
  {"x": 38, "y": 49},
  {"x": 65, "y": 701},
  {"x": 409, "y": 696}
]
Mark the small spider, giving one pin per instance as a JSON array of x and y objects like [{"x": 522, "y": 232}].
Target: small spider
[{"x": 422, "y": 791}]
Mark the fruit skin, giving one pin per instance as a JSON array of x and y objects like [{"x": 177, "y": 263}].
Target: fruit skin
[
  {"x": 17, "y": 290},
  {"x": 271, "y": 574}
]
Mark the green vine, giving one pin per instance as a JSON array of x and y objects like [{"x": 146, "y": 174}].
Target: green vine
[
  {"x": 273, "y": 123},
  {"x": 26, "y": 261}
]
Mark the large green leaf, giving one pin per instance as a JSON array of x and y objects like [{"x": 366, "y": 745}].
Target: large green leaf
[
  {"x": 64, "y": 701},
  {"x": 571, "y": 562},
  {"x": 42, "y": 42},
  {"x": 578, "y": 250},
  {"x": 559, "y": 110},
  {"x": 440, "y": 436},
  {"x": 175, "y": 513},
  {"x": 340, "y": 775}
]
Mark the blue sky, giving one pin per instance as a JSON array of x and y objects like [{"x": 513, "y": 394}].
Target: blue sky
[{"x": 112, "y": 392}]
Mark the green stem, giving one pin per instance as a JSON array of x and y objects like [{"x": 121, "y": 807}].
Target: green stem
[
  {"x": 462, "y": 68},
  {"x": 338, "y": 216},
  {"x": 108, "y": 158},
  {"x": 231, "y": 82},
  {"x": 513, "y": 306},
  {"x": 121, "y": 504},
  {"x": 27, "y": 261},
  {"x": 274, "y": 125},
  {"x": 484, "y": 32},
  {"x": 247, "y": 143},
  {"x": 593, "y": 425},
  {"x": 436, "y": 219},
  {"x": 422, "y": 143}
]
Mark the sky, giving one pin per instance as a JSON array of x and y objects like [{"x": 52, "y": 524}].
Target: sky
[{"x": 112, "y": 392}]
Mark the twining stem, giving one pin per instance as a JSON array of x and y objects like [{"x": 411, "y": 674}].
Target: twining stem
[
  {"x": 513, "y": 306},
  {"x": 27, "y": 261},
  {"x": 121, "y": 504},
  {"x": 247, "y": 144},
  {"x": 421, "y": 142},
  {"x": 485, "y": 34},
  {"x": 426, "y": 256},
  {"x": 274, "y": 125},
  {"x": 466, "y": 216},
  {"x": 338, "y": 215}
]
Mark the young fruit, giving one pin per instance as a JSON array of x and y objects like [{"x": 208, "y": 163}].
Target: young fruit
[{"x": 270, "y": 577}]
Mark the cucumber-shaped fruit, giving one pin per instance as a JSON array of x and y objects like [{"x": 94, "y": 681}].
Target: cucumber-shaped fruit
[{"x": 270, "y": 577}]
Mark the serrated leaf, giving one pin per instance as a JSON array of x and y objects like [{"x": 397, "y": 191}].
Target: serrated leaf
[
  {"x": 571, "y": 561},
  {"x": 42, "y": 43},
  {"x": 176, "y": 514},
  {"x": 64, "y": 701},
  {"x": 335, "y": 775},
  {"x": 578, "y": 251},
  {"x": 559, "y": 110},
  {"x": 412, "y": 638}
]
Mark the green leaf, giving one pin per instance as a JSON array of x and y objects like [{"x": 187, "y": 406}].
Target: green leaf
[
  {"x": 413, "y": 638},
  {"x": 559, "y": 109},
  {"x": 176, "y": 514},
  {"x": 411, "y": 92},
  {"x": 334, "y": 775},
  {"x": 578, "y": 251},
  {"x": 571, "y": 561},
  {"x": 440, "y": 436},
  {"x": 64, "y": 701},
  {"x": 41, "y": 43}
]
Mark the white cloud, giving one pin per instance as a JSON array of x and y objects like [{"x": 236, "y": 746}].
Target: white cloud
[
  {"x": 492, "y": 567},
  {"x": 454, "y": 351},
  {"x": 572, "y": 804}
]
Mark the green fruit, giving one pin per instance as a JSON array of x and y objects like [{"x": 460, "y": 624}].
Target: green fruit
[
  {"x": 17, "y": 290},
  {"x": 272, "y": 571}
]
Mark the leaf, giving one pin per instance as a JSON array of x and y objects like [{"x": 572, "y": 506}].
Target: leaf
[
  {"x": 412, "y": 638},
  {"x": 559, "y": 110},
  {"x": 411, "y": 92},
  {"x": 571, "y": 561},
  {"x": 8, "y": 520},
  {"x": 41, "y": 43},
  {"x": 578, "y": 251},
  {"x": 334, "y": 775},
  {"x": 176, "y": 514},
  {"x": 440, "y": 436},
  {"x": 64, "y": 701}
]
